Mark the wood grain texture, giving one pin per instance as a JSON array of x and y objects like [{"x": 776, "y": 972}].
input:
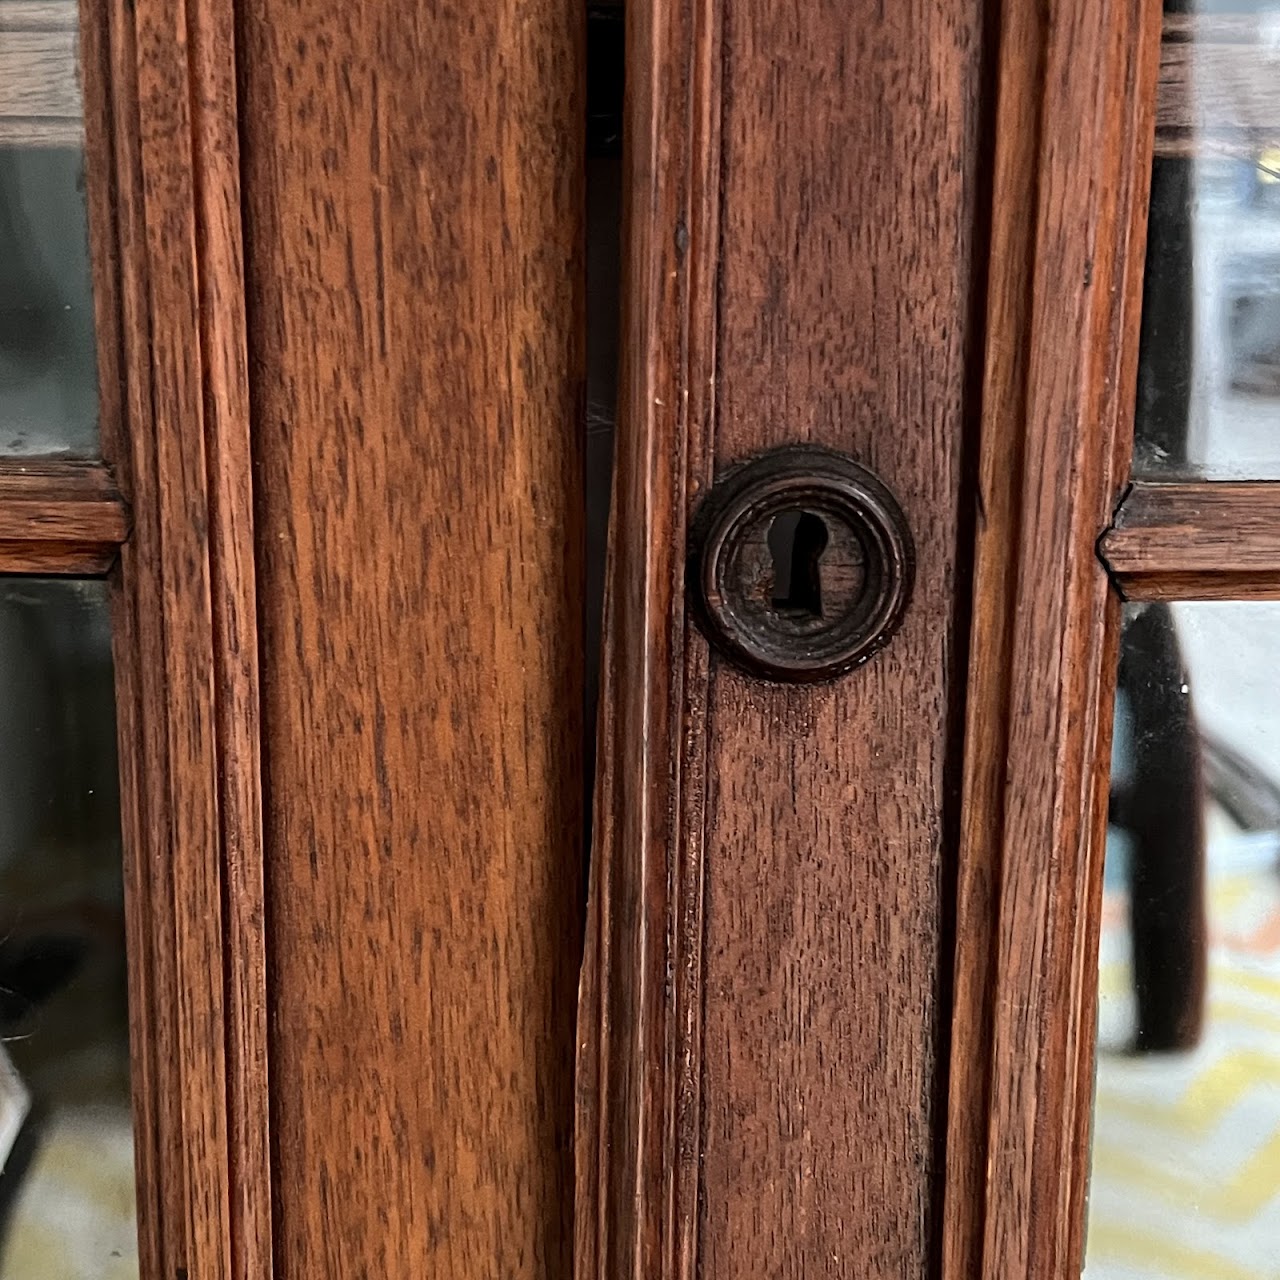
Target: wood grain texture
[
  {"x": 764, "y": 995},
  {"x": 165, "y": 228},
  {"x": 413, "y": 184},
  {"x": 40, "y": 100},
  {"x": 1196, "y": 540},
  {"x": 22, "y": 132},
  {"x": 42, "y": 16},
  {"x": 842, "y": 320},
  {"x": 1074, "y": 130},
  {"x": 117, "y": 231},
  {"x": 639, "y": 1044},
  {"x": 62, "y": 504},
  {"x": 233, "y": 615},
  {"x": 65, "y": 556}
]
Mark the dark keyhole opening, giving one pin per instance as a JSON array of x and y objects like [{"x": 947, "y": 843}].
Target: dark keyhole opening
[{"x": 797, "y": 540}]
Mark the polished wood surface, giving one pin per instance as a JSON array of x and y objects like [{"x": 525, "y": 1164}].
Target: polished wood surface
[
  {"x": 1216, "y": 76},
  {"x": 413, "y": 197},
  {"x": 843, "y": 320},
  {"x": 352, "y": 456},
  {"x": 1074, "y": 131},
  {"x": 121, "y": 323},
  {"x": 637, "y": 1118},
  {"x": 165, "y": 220},
  {"x": 59, "y": 517},
  {"x": 765, "y": 991},
  {"x": 1196, "y": 540}
]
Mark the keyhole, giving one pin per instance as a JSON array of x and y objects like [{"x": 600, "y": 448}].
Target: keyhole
[{"x": 797, "y": 540}]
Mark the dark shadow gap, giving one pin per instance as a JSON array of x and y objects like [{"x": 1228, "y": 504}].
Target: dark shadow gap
[{"x": 605, "y": 64}]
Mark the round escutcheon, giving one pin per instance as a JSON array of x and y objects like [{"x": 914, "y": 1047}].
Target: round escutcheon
[{"x": 801, "y": 564}]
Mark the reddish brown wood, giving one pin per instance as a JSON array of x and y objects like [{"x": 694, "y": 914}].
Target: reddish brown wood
[
  {"x": 83, "y": 559},
  {"x": 186, "y": 645},
  {"x": 59, "y": 518},
  {"x": 762, "y": 1006},
  {"x": 1074, "y": 130},
  {"x": 413, "y": 187},
  {"x": 760, "y": 1020},
  {"x": 637, "y": 1134},
  {"x": 61, "y": 502},
  {"x": 1197, "y": 541},
  {"x": 156, "y": 1103},
  {"x": 234, "y": 637},
  {"x": 102, "y": 204},
  {"x": 843, "y": 314},
  {"x": 113, "y": 172}
]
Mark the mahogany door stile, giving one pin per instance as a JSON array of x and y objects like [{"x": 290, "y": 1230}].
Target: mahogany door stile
[
  {"x": 766, "y": 990},
  {"x": 1074, "y": 133},
  {"x": 413, "y": 243}
]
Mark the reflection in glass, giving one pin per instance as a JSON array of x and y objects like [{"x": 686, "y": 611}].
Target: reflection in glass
[
  {"x": 48, "y": 373},
  {"x": 1209, "y": 374},
  {"x": 1186, "y": 1140},
  {"x": 67, "y": 1185}
]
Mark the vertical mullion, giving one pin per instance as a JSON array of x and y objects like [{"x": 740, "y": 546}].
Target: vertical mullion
[
  {"x": 169, "y": 200},
  {"x": 1074, "y": 129},
  {"x": 186, "y": 643},
  {"x": 141, "y": 697},
  {"x": 233, "y": 628}
]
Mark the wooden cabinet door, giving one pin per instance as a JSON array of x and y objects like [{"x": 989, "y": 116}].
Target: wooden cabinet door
[
  {"x": 827, "y": 1006},
  {"x": 839, "y": 990},
  {"x": 764, "y": 1012},
  {"x": 961, "y": 963},
  {"x": 336, "y": 488}
]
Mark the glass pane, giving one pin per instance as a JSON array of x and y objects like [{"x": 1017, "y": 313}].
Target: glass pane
[
  {"x": 48, "y": 374},
  {"x": 66, "y": 1143},
  {"x": 1186, "y": 1142},
  {"x": 1209, "y": 374}
]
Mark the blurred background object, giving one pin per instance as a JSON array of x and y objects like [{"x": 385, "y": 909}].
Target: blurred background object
[{"x": 1186, "y": 1143}]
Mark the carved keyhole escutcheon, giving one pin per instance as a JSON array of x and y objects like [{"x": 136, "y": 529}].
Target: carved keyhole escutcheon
[{"x": 801, "y": 564}]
